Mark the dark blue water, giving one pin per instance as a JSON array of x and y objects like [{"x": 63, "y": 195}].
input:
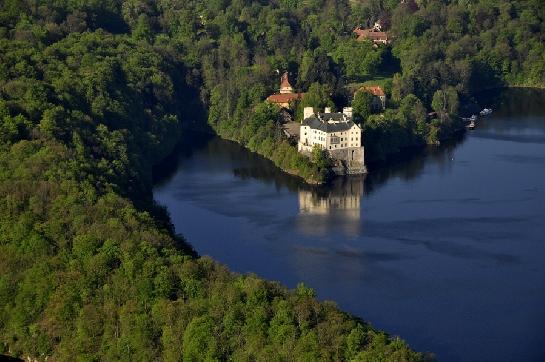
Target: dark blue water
[{"x": 445, "y": 249}]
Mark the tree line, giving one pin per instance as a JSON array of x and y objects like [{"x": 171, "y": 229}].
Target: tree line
[{"x": 91, "y": 95}]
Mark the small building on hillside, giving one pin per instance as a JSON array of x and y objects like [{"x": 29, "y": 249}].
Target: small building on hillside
[
  {"x": 287, "y": 95},
  {"x": 336, "y": 133},
  {"x": 379, "y": 99},
  {"x": 375, "y": 34}
]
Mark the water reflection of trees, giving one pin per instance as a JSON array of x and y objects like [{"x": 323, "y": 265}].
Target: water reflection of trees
[
  {"x": 509, "y": 102},
  {"x": 411, "y": 164},
  {"x": 190, "y": 143},
  {"x": 341, "y": 193},
  {"x": 408, "y": 166}
]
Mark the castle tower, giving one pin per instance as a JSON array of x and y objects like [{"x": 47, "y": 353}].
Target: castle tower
[
  {"x": 348, "y": 111},
  {"x": 285, "y": 86},
  {"x": 308, "y": 112}
]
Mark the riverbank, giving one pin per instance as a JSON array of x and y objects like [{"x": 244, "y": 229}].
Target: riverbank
[
  {"x": 380, "y": 151},
  {"x": 90, "y": 267},
  {"x": 386, "y": 156},
  {"x": 383, "y": 135},
  {"x": 260, "y": 132},
  {"x": 313, "y": 179},
  {"x": 369, "y": 243}
]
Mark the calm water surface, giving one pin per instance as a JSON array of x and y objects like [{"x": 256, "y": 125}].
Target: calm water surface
[{"x": 446, "y": 249}]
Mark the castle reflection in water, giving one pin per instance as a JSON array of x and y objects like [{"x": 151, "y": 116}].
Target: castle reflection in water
[{"x": 338, "y": 207}]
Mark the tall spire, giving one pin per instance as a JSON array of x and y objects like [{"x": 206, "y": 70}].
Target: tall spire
[{"x": 285, "y": 86}]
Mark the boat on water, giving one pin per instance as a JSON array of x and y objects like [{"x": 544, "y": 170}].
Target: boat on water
[
  {"x": 471, "y": 125},
  {"x": 486, "y": 112}
]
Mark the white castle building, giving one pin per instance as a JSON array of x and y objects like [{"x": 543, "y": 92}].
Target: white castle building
[
  {"x": 330, "y": 131},
  {"x": 336, "y": 133}
]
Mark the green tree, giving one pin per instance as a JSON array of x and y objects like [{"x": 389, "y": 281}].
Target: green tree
[
  {"x": 321, "y": 158},
  {"x": 317, "y": 97},
  {"x": 142, "y": 28},
  {"x": 358, "y": 59},
  {"x": 412, "y": 109},
  {"x": 199, "y": 343},
  {"x": 362, "y": 106},
  {"x": 446, "y": 102}
]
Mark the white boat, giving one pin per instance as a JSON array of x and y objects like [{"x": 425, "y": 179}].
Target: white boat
[
  {"x": 471, "y": 125},
  {"x": 486, "y": 112}
]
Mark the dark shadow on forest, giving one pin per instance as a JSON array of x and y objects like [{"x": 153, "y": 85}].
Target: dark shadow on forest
[{"x": 5, "y": 358}]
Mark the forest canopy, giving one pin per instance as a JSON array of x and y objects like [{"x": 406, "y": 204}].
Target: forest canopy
[{"x": 93, "y": 93}]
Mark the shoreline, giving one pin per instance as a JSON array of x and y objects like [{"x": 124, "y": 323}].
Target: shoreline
[
  {"x": 373, "y": 164},
  {"x": 292, "y": 172},
  {"x": 405, "y": 152}
]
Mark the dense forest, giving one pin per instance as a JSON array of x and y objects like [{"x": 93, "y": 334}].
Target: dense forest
[{"x": 93, "y": 93}]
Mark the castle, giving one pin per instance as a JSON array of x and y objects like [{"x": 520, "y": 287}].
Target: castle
[{"x": 336, "y": 133}]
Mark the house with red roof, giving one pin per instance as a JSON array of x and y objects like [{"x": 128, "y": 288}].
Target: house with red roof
[
  {"x": 287, "y": 95},
  {"x": 375, "y": 34},
  {"x": 379, "y": 99}
]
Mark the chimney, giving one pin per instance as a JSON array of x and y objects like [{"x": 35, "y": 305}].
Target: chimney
[
  {"x": 327, "y": 110},
  {"x": 307, "y": 112},
  {"x": 348, "y": 111}
]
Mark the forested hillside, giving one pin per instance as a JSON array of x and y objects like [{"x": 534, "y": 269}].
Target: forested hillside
[
  {"x": 93, "y": 93},
  {"x": 90, "y": 270},
  {"x": 468, "y": 45}
]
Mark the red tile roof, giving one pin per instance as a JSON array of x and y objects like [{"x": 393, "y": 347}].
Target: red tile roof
[
  {"x": 371, "y": 34},
  {"x": 375, "y": 90},
  {"x": 285, "y": 98}
]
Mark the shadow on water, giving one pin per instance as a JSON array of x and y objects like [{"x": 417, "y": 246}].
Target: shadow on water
[
  {"x": 406, "y": 166},
  {"x": 508, "y": 103},
  {"x": 249, "y": 165},
  {"x": 190, "y": 143},
  {"x": 345, "y": 193},
  {"x": 410, "y": 164}
]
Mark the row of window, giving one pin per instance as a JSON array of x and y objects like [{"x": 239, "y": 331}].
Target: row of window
[
  {"x": 335, "y": 139},
  {"x": 335, "y": 142},
  {"x": 341, "y": 146}
]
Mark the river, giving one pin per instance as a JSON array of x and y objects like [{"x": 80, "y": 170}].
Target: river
[{"x": 445, "y": 248}]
